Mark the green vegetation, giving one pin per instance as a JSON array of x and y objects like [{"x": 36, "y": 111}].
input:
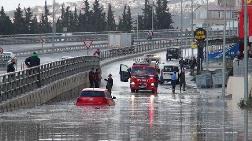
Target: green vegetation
[{"x": 89, "y": 19}]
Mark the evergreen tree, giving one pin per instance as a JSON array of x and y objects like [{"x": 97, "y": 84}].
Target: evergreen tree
[
  {"x": 28, "y": 20},
  {"x": 45, "y": 24},
  {"x": 75, "y": 21},
  {"x": 111, "y": 26},
  {"x": 164, "y": 19},
  {"x": 34, "y": 25},
  {"x": 85, "y": 19},
  {"x": 140, "y": 22},
  {"x": 98, "y": 17},
  {"x": 6, "y": 26},
  {"x": 128, "y": 20},
  {"x": 19, "y": 24},
  {"x": 123, "y": 21},
  {"x": 147, "y": 11}
]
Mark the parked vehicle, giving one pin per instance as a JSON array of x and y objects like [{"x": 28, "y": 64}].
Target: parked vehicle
[
  {"x": 173, "y": 53},
  {"x": 95, "y": 96},
  {"x": 166, "y": 72},
  {"x": 142, "y": 76}
]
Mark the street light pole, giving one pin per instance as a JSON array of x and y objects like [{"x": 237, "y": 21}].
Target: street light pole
[
  {"x": 207, "y": 49},
  {"x": 152, "y": 17},
  {"x": 54, "y": 25},
  {"x": 192, "y": 22},
  {"x": 181, "y": 22},
  {"x": 224, "y": 50},
  {"x": 137, "y": 26}
]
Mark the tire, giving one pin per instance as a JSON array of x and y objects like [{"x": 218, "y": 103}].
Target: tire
[
  {"x": 136, "y": 91},
  {"x": 154, "y": 91},
  {"x": 132, "y": 91}
]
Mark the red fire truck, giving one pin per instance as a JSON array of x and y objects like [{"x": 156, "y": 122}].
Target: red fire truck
[{"x": 143, "y": 76}]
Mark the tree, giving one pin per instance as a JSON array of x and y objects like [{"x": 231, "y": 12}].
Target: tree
[
  {"x": 147, "y": 17},
  {"x": 19, "y": 24},
  {"x": 5, "y": 23},
  {"x": 34, "y": 25},
  {"x": 85, "y": 18},
  {"x": 140, "y": 22},
  {"x": 45, "y": 24},
  {"x": 75, "y": 22},
  {"x": 98, "y": 17},
  {"x": 123, "y": 21},
  {"x": 28, "y": 20},
  {"x": 111, "y": 26},
  {"x": 164, "y": 19},
  {"x": 128, "y": 20}
]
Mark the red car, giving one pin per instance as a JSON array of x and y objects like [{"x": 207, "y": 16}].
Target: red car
[
  {"x": 142, "y": 77},
  {"x": 95, "y": 96}
]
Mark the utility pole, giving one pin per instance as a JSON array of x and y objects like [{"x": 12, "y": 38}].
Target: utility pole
[
  {"x": 207, "y": 49},
  {"x": 152, "y": 17},
  {"x": 224, "y": 51},
  {"x": 192, "y": 23},
  {"x": 137, "y": 26},
  {"x": 54, "y": 25},
  {"x": 246, "y": 66},
  {"x": 181, "y": 22}
]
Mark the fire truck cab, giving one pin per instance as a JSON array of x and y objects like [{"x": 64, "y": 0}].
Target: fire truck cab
[{"x": 142, "y": 76}]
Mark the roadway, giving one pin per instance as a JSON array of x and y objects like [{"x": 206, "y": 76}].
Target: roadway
[{"x": 191, "y": 115}]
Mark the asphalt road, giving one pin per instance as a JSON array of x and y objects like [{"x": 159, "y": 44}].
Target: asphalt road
[{"x": 194, "y": 115}]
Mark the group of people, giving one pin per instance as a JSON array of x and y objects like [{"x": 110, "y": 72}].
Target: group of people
[
  {"x": 181, "y": 79},
  {"x": 95, "y": 79},
  {"x": 190, "y": 63}
]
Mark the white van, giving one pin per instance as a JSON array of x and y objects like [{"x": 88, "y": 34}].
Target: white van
[
  {"x": 7, "y": 56},
  {"x": 167, "y": 70}
]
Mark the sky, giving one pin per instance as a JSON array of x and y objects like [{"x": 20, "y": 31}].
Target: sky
[{"x": 12, "y": 4}]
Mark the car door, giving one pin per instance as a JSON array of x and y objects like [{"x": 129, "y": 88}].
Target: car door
[{"x": 124, "y": 73}]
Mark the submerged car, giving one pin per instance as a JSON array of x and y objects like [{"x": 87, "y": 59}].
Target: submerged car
[
  {"x": 95, "y": 96},
  {"x": 166, "y": 72},
  {"x": 173, "y": 53}
]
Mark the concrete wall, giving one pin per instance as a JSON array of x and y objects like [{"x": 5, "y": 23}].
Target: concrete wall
[{"x": 71, "y": 86}]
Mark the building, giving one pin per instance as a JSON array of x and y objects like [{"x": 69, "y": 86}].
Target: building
[{"x": 216, "y": 16}]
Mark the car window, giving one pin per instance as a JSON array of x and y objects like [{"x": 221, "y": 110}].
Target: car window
[
  {"x": 143, "y": 71},
  {"x": 171, "y": 69},
  {"x": 92, "y": 94}
]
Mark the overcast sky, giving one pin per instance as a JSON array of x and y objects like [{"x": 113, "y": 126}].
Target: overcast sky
[{"x": 12, "y": 4}]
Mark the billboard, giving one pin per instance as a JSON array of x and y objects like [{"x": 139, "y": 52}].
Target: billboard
[{"x": 241, "y": 19}]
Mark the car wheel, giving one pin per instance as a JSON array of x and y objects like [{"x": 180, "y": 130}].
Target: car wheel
[
  {"x": 136, "y": 91},
  {"x": 132, "y": 91},
  {"x": 154, "y": 91}
]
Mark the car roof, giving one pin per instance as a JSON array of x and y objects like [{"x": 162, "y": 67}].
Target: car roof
[{"x": 94, "y": 89}]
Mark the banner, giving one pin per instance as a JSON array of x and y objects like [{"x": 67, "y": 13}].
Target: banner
[{"x": 241, "y": 19}]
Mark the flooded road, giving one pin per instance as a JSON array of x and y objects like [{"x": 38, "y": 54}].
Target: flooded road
[{"x": 193, "y": 115}]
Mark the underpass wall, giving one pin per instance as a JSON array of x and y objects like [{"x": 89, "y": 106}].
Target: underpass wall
[{"x": 70, "y": 86}]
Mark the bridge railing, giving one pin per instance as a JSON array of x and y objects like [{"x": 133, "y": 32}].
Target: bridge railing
[{"x": 17, "y": 83}]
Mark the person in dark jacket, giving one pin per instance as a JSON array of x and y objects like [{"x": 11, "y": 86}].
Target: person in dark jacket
[
  {"x": 109, "y": 83},
  {"x": 11, "y": 66},
  {"x": 32, "y": 61},
  {"x": 181, "y": 63},
  {"x": 182, "y": 81},
  {"x": 97, "y": 78},
  {"x": 91, "y": 76}
]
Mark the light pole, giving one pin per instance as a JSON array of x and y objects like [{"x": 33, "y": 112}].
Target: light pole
[
  {"x": 54, "y": 25},
  {"x": 192, "y": 22},
  {"x": 181, "y": 22},
  {"x": 152, "y": 17},
  {"x": 224, "y": 50},
  {"x": 137, "y": 26},
  {"x": 207, "y": 49}
]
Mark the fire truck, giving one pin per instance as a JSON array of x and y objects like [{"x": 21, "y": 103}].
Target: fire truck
[{"x": 142, "y": 76}]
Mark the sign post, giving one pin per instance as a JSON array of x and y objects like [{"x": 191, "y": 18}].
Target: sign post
[
  {"x": 42, "y": 41},
  {"x": 200, "y": 36},
  {"x": 87, "y": 44}
]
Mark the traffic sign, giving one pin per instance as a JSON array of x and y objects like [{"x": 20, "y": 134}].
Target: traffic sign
[
  {"x": 194, "y": 45},
  {"x": 1, "y": 50},
  {"x": 200, "y": 34},
  {"x": 88, "y": 43}
]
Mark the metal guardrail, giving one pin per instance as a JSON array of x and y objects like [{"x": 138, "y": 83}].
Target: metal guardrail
[
  {"x": 17, "y": 83},
  {"x": 79, "y": 37}
]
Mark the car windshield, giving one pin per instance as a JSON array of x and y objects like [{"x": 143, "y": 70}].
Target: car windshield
[
  {"x": 92, "y": 94},
  {"x": 143, "y": 71},
  {"x": 170, "y": 69},
  {"x": 173, "y": 50}
]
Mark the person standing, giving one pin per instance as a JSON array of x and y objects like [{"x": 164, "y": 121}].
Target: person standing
[
  {"x": 11, "y": 66},
  {"x": 109, "y": 83},
  {"x": 34, "y": 61},
  {"x": 181, "y": 63},
  {"x": 97, "y": 80},
  {"x": 91, "y": 76},
  {"x": 182, "y": 81},
  {"x": 193, "y": 63},
  {"x": 173, "y": 81}
]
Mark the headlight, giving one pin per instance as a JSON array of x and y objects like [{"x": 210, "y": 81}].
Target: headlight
[
  {"x": 132, "y": 83},
  {"x": 152, "y": 84}
]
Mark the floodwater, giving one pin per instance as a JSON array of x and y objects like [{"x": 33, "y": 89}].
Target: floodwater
[{"x": 193, "y": 115}]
